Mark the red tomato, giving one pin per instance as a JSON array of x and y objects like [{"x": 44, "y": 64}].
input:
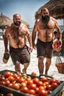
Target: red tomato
[
  {"x": 46, "y": 83},
  {"x": 33, "y": 73},
  {"x": 7, "y": 82},
  {"x": 23, "y": 84},
  {"x": 44, "y": 79},
  {"x": 7, "y": 74},
  {"x": 29, "y": 81},
  {"x": 2, "y": 82},
  {"x": 20, "y": 80},
  {"x": 54, "y": 85},
  {"x": 15, "y": 75},
  {"x": 36, "y": 80},
  {"x": 43, "y": 93},
  {"x": 2, "y": 78},
  {"x": 16, "y": 86},
  {"x": 10, "y": 85},
  {"x": 58, "y": 82},
  {"x": 41, "y": 88},
  {"x": 31, "y": 91},
  {"x": 48, "y": 87},
  {"x": 40, "y": 83},
  {"x": 37, "y": 90},
  {"x": 32, "y": 86},
  {"x": 52, "y": 80},
  {"x": 11, "y": 78},
  {"x": 19, "y": 74},
  {"x": 24, "y": 89}
]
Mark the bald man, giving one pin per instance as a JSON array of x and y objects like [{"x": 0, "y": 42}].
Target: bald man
[
  {"x": 45, "y": 27},
  {"x": 16, "y": 34}
]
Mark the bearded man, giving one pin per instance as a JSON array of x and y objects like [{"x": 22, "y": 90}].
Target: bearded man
[
  {"x": 45, "y": 27},
  {"x": 15, "y": 38}
]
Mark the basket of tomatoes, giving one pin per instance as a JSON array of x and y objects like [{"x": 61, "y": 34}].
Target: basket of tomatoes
[
  {"x": 57, "y": 44},
  {"x": 20, "y": 84}
]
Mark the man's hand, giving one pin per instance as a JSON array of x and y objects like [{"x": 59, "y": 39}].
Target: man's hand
[
  {"x": 30, "y": 49},
  {"x": 34, "y": 46},
  {"x": 6, "y": 51}
]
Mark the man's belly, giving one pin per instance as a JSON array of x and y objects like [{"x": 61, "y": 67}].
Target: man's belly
[
  {"x": 17, "y": 43},
  {"x": 14, "y": 45},
  {"x": 45, "y": 39}
]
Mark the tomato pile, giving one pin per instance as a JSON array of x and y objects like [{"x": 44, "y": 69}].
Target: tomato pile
[
  {"x": 57, "y": 44},
  {"x": 26, "y": 84}
]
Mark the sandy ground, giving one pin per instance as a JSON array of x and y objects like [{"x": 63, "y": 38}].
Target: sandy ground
[{"x": 33, "y": 64}]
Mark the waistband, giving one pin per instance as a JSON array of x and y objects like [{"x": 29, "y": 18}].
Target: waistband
[
  {"x": 17, "y": 48},
  {"x": 45, "y": 42}
]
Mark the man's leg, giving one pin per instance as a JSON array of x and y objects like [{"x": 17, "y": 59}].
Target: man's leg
[
  {"x": 25, "y": 67},
  {"x": 41, "y": 64},
  {"x": 17, "y": 67},
  {"x": 48, "y": 63}
]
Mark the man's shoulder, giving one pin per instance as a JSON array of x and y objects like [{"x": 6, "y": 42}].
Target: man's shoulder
[
  {"x": 9, "y": 26},
  {"x": 52, "y": 18},
  {"x": 37, "y": 21},
  {"x": 22, "y": 25}
]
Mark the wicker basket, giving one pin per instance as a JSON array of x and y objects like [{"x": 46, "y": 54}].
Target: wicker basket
[{"x": 60, "y": 67}]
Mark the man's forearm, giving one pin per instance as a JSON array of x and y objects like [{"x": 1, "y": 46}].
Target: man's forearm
[
  {"x": 33, "y": 38},
  {"x": 60, "y": 34},
  {"x": 6, "y": 44},
  {"x": 30, "y": 40}
]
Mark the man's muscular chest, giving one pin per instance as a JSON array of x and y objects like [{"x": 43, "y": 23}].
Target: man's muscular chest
[{"x": 45, "y": 26}]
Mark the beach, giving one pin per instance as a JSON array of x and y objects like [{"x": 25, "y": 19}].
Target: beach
[{"x": 33, "y": 67}]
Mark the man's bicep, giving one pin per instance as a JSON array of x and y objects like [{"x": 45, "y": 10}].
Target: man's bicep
[
  {"x": 57, "y": 26},
  {"x": 59, "y": 30},
  {"x": 27, "y": 30},
  {"x": 35, "y": 28},
  {"x": 6, "y": 33}
]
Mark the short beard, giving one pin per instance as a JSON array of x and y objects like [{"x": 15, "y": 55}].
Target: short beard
[
  {"x": 45, "y": 19},
  {"x": 17, "y": 23}
]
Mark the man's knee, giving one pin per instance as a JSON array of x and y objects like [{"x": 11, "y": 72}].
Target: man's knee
[
  {"x": 40, "y": 59},
  {"x": 17, "y": 67},
  {"x": 48, "y": 61}
]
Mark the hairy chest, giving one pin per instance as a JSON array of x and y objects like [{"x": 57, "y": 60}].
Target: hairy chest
[
  {"x": 46, "y": 26},
  {"x": 16, "y": 33}
]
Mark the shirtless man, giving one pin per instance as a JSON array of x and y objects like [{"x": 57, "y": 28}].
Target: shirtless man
[
  {"x": 45, "y": 27},
  {"x": 16, "y": 34}
]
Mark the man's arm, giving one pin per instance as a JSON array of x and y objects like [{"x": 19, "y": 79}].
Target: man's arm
[
  {"x": 34, "y": 34},
  {"x": 6, "y": 40},
  {"x": 58, "y": 30},
  {"x": 29, "y": 38}
]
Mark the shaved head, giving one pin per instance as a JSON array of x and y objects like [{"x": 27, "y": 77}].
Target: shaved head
[
  {"x": 16, "y": 15},
  {"x": 43, "y": 10}
]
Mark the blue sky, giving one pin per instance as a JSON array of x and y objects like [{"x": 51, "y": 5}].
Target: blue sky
[{"x": 26, "y": 8}]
